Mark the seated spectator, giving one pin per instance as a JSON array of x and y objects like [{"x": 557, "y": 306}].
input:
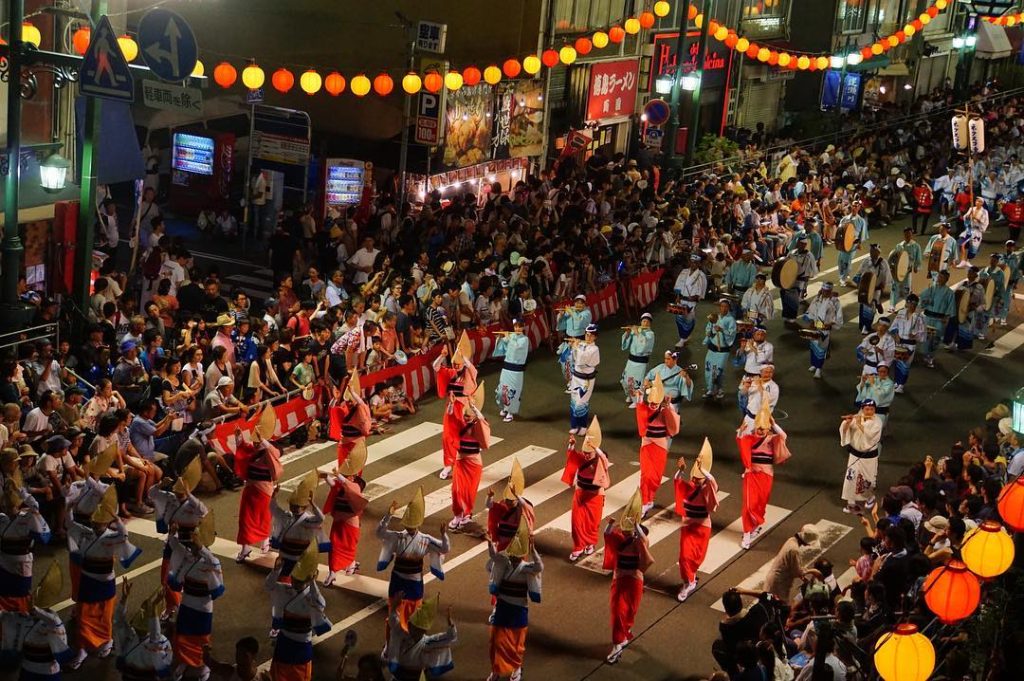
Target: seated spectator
[
  {"x": 105, "y": 399},
  {"x": 37, "y": 422},
  {"x": 144, "y": 431},
  {"x": 739, "y": 626},
  {"x": 221, "y": 402}
]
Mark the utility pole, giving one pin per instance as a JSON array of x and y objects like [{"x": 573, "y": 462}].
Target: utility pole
[
  {"x": 403, "y": 154},
  {"x": 12, "y": 246},
  {"x": 673, "y": 122},
  {"x": 87, "y": 202},
  {"x": 691, "y": 139}
]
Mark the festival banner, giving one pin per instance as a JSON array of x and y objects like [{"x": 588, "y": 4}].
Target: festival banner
[
  {"x": 526, "y": 120},
  {"x": 467, "y": 139}
]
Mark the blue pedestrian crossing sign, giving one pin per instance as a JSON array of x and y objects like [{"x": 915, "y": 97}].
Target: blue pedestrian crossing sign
[
  {"x": 168, "y": 45},
  {"x": 105, "y": 72}
]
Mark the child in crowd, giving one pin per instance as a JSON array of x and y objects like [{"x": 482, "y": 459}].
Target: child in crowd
[{"x": 303, "y": 373}]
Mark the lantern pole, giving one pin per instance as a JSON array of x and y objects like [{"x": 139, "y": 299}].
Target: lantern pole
[
  {"x": 12, "y": 246},
  {"x": 403, "y": 154}
]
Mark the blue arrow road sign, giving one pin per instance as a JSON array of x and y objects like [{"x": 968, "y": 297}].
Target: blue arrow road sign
[
  {"x": 104, "y": 72},
  {"x": 168, "y": 45}
]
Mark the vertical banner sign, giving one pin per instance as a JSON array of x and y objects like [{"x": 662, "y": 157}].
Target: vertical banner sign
[
  {"x": 467, "y": 135},
  {"x": 612, "y": 89},
  {"x": 846, "y": 93},
  {"x": 526, "y": 122},
  {"x": 504, "y": 98},
  {"x": 428, "y": 113}
]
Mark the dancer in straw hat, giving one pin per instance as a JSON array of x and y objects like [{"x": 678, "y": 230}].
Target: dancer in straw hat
[
  {"x": 515, "y": 581},
  {"x": 143, "y": 652},
  {"x": 696, "y": 500},
  {"x": 345, "y": 504},
  {"x": 195, "y": 572},
  {"x": 350, "y": 419},
  {"x": 38, "y": 637},
  {"x": 474, "y": 437},
  {"x": 627, "y": 554},
  {"x": 412, "y": 652},
  {"x": 657, "y": 423},
  {"x": 586, "y": 470},
  {"x": 21, "y": 526},
  {"x": 503, "y": 515},
  {"x": 760, "y": 451},
  {"x": 299, "y": 526},
  {"x": 456, "y": 382},
  {"x": 297, "y": 612},
  {"x": 258, "y": 463}
]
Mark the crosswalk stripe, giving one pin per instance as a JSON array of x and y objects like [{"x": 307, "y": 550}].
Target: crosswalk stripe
[
  {"x": 378, "y": 450},
  {"x": 660, "y": 526},
  {"x": 829, "y": 534},
  {"x": 131, "y": 574},
  {"x": 1006, "y": 343},
  {"x": 408, "y": 474},
  {"x": 725, "y": 544},
  {"x": 440, "y": 499}
]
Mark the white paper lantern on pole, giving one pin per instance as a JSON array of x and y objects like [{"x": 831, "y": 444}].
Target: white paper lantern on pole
[
  {"x": 977, "y": 128},
  {"x": 960, "y": 132}
]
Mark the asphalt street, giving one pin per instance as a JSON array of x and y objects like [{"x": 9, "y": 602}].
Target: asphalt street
[{"x": 569, "y": 632}]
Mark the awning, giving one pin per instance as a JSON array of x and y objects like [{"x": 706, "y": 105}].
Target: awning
[
  {"x": 897, "y": 69},
  {"x": 878, "y": 62},
  {"x": 992, "y": 42}
]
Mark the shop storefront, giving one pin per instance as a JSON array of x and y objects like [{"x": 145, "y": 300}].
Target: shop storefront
[
  {"x": 715, "y": 75},
  {"x": 601, "y": 99}
]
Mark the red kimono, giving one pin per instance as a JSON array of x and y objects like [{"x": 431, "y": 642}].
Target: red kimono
[
  {"x": 587, "y": 472},
  {"x": 474, "y": 437},
  {"x": 759, "y": 456},
  {"x": 345, "y": 505},
  {"x": 503, "y": 520},
  {"x": 454, "y": 385},
  {"x": 696, "y": 500},
  {"x": 350, "y": 422},
  {"x": 260, "y": 468},
  {"x": 628, "y": 556},
  {"x": 656, "y": 426}
]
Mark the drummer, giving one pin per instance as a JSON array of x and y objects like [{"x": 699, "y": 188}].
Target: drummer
[
  {"x": 1012, "y": 262},
  {"x": 962, "y": 327},
  {"x": 860, "y": 234},
  {"x": 806, "y": 268},
  {"x": 757, "y": 303},
  {"x": 690, "y": 287},
  {"x": 876, "y": 348},
  {"x": 740, "y": 277},
  {"x": 939, "y": 305},
  {"x": 945, "y": 246},
  {"x": 825, "y": 314},
  {"x": 902, "y": 286},
  {"x": 678, "y": 384},
  {"x": 872, "y": 290},
  {"x": 908, "y": 330},
  {"x": 994, "y": 273}
]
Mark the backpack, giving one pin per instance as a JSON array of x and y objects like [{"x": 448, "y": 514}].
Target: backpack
[{"x": 153, "y": 263}]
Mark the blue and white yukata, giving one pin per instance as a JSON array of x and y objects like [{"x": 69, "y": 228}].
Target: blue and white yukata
[
  {"x": 691, "y": 286},
  {"x": 963, "y": 333},
  {"x": 827, "y": 311},
  {"x": 902, "y": 289},
  {"x": 908, "y": 330},
  {"x": 997, "y": 275},
  {"x": 758, "y": 303},
  {"x": 881, "y": 390},
  {"x": 639, "y": 346},
  {"x": 883, "y": 281},
  {"x": 719, "y": 343},
  {"x": 939, "y": 304},
  {"x": 739, "y": 279},
  {"x": 514, "y": 347},
  {"x": 948, "y": 251},
  {"x": 874, "y": 350},
  {"x": 585, "y": 358},
  {"x": 860, "y": 226},
  {"x": 677, "y": 388},
  {"x": 1012, "y": 263},
  {"x": 574, "y": 325}
]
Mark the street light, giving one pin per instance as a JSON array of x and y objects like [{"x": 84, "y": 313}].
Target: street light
[
  {"x": 690, "y": 82},
  {"x": 663, "y": 85},
  {"x": 958, "y": 43},
  {"x": 971, "y": 40},
  {"x": 53, "y": 173}
]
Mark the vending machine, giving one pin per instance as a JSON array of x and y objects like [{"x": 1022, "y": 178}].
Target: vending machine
[
  {"x": 344, "y": 179},
  {"x": 201, "y": 170}
]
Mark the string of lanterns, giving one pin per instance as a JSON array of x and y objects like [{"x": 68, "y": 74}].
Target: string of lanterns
[{"x": 1008, "y": 20}]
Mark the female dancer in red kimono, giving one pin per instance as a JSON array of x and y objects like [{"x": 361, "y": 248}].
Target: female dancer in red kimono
[
  {"x": 696, "y": 500},
  {"x": 627, "y": 554},
  {"x": 587, "y": 472},
  {"x": 345, "y": 505},
  {"x": 760, "y": 451},
  {"x": 350, "y": 420},
  {"x": 657, "y": 423},
  {"x": 474, "y": 437},
  {"x": 503, "y": 516},
  {"x": 259, "y": 464},
  {"x": 455, "y": 383}
]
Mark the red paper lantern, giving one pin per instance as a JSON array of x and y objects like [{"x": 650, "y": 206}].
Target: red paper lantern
[
  {"x": 752, "y": 50},
  {"x": 617, "y": 34},
  {"x": 471, "y": 75},
  {"x": 952, "y": 592},
  {"x": 511, "y": 68},
  {"x": 866, "y": 53},
  {"x": 691, "y": 12},
  {"x": 433, "y": 82},
  {"x": 383, "y": 84},
  {"x": 646, "y": 20},
  {"x": 916, "y": 23},
  {"x": 773, "y": 58},
  {"x": 730, "y": 40},
  {"x": 584, "y": 46},
  {"x": 334, "y": 83},
  {"x": 1011, "y": 505},
  {"x": 80, "y": 40},
  {"x": 901, "y": 37},
  {"x": 549, "y": 58},
  {"x": 283, "y": 80},
  {"x": 933, "y": 11},
  {"x": 225, "y": 75}
]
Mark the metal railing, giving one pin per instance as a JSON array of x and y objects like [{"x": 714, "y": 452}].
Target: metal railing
[
  {"x": 33, "y": 334},
  {"x": 858, "y": 127}
]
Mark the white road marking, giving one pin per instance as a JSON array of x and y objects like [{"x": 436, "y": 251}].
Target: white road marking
[
  {"x": 408, "y": 474},
  {"x": 829, "y": 534},
  {"x": 379, "y": 450},
  {"x": 1006, "y": 343},
  {"x": 725, "y": 544}
]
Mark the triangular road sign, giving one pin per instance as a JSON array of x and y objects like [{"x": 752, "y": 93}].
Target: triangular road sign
[{"x": 105, "y": 72}]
